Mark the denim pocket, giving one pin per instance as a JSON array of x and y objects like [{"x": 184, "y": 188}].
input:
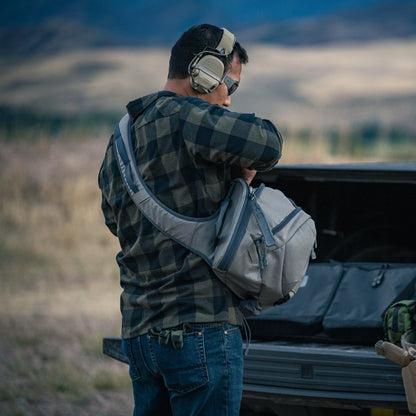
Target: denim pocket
[
  {"x": 130, "y": 348},
  {"x": 185, "y": 369},
  {"x": 233, "y": 345}
]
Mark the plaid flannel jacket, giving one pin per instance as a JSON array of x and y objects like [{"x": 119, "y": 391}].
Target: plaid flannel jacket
[{"x": 184, "y": 148}]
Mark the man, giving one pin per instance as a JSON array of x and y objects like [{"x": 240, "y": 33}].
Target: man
[{"x": 181, "y": 326}]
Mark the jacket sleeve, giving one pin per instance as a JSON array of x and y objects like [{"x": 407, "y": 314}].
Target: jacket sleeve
[
  {"x": 105, "y": 184},
  {"x": 221, "y": 136}
]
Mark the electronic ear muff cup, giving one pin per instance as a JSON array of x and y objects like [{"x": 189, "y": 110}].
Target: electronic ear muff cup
[
  {"x": 207, "y": 69},
  {"x": 206, "y": 74}
]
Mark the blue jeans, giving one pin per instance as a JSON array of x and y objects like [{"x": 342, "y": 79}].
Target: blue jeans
[{"x": 204, "y": 377}]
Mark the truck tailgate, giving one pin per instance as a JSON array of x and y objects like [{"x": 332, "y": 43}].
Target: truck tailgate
[{"x": 324, "y": 375}]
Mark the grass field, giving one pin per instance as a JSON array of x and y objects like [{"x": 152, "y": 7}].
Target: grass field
[
  {"x": 59, "y": 289},
  {"x": 316, "y": 87},
  {"x": 59, "y": 285}
]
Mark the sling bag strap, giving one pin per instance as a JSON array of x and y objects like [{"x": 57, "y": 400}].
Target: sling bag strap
[{"x": 188, "y": 231}]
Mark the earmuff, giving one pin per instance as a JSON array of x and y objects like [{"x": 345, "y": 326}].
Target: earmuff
[{"x": 206, "y": 69}]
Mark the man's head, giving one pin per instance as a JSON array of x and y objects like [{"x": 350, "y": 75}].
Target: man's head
[{"x": 211, "y": 60}]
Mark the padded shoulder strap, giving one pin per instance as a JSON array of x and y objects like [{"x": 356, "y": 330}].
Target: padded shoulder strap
[{"x": 196, "y": 234}]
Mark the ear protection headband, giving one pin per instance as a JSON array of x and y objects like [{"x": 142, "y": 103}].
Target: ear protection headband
[{"x": 206, "y": 69}]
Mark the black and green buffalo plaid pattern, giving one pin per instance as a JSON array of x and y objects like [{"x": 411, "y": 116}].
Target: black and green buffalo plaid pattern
[{"x": 185, "y": 149}]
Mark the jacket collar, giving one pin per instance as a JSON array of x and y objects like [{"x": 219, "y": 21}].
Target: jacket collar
[{"x": 137, "y": 107}]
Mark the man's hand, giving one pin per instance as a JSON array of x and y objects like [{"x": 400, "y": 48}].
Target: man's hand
[{"x": 248, "y": 174}]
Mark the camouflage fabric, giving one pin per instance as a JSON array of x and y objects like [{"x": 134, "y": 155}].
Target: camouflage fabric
[{"x": 185, "y": 149}]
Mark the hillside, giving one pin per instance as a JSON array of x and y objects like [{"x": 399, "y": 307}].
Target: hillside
[
  {"x": 384, "y": 21},
  {"x": 50, "y": 27},
  {"x": 315, "y": 87}
]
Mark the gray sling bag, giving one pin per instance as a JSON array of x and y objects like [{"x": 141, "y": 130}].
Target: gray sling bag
[{"x": 258, "y": 243}]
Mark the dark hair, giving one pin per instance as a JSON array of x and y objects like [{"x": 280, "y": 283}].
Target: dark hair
[{"x": 195, "y": 40}]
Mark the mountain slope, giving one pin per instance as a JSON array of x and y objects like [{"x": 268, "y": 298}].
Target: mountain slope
[
  {"x": 391, "y": 20},
  {"x": 50, "y": 27}
]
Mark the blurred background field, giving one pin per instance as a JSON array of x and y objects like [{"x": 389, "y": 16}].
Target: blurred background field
[
  {"x": 59, "y": 285},
  {"x": 338, "y": 81}
]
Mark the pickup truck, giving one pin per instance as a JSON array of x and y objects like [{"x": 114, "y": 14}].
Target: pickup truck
[{"x": 365, "y": 215}]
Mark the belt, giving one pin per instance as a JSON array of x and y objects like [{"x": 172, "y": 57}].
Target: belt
[{"x": 175, "y": 334}]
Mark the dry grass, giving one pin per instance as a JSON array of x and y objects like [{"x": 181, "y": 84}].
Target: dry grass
[
  {"x": 334, "y": 86},
  {"x": 319, "y": 87},
  {"x": 59, "y": 287}
]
